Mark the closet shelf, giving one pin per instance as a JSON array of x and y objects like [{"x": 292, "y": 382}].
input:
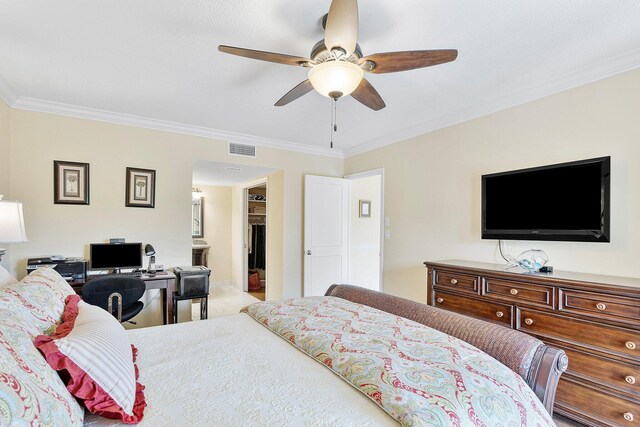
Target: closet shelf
[
  {"x": 257, "y": 201},
  {"x": 257, "y": 214}
]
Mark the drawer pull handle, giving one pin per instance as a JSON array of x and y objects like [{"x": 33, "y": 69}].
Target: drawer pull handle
[
  {"x": 454, "y": 281},
  {"x": 528, "y": 321},
  {"x": 628, "y": 416},
  {"x": 514, "y": 291},
  {"x": 630, "y": 379},
  {"x": 601, "y": 306},
  {"x": 439, "y": 300},
  {"x": 499, "y": 314},
  {"x": 630, "y": 345}
]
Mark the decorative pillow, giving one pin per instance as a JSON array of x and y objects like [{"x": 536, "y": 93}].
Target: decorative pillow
[
  {"x": 94, "y": 350},
  {"x": 6, "y": 278},
  {"x": 35, "y": 304},
  {"x": 31, "y": 393}
]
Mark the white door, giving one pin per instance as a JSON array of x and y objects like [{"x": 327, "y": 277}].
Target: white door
[{"x": 326, "y": 233}]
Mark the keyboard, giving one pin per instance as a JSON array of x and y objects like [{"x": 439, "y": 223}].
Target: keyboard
[{"x": 130, "y": 273}]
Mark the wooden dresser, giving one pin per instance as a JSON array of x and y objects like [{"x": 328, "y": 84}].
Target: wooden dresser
[{"x": 594, "y": 319}]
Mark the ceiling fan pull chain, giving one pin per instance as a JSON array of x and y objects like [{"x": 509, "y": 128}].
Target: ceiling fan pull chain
[{"x": 334, "y": 115}]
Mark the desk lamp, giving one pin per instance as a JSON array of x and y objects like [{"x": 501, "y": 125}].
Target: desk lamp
[
  {"x": 150, "y": 252},
  {"x": 11, "y": 224}
]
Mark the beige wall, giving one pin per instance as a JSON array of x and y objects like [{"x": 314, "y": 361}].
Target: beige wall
[
  {"x": 38, "y": 138},
  {"x": 432, "y": 182},
  {"x": 4, "y": 148},
  {"x": 275, "y": 232},
  {"x": 217, "y": 230},
  {"x": 4, "y": 166},
  {"x": 364, "y": 233}
]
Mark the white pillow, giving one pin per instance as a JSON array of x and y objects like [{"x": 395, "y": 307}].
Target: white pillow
[
  {"x": 95, "y": 351},
  {"x": 6, "y": 278}
]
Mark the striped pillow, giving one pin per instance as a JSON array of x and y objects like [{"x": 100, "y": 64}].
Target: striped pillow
[{"x": 93, "y": 347}]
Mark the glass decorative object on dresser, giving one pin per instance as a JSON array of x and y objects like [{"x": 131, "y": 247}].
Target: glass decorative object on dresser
[{"x": 532, "y": 260}]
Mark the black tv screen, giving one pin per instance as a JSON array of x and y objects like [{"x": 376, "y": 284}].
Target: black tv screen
[
  {"x": 567, "y": 201},
  {"x": 105, "y": 256}
]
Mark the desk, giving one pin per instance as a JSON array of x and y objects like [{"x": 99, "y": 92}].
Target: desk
[{"x": 166, "y": 282}]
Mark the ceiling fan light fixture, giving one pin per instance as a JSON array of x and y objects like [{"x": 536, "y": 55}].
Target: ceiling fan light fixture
[{"x": 335, "y": 77}]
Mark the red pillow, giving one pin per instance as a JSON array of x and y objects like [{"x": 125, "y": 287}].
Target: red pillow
[{"x": 94, "y": 355}]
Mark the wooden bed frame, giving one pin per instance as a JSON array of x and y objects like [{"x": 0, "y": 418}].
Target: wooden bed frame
[{"x": 540, "y": 365}]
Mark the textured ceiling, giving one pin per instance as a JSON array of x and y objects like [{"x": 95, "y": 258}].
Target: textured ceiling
[{"x": 158, "y": 60}]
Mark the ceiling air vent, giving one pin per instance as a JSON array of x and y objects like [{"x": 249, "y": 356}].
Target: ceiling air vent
[{"x": 242, "y": 150}]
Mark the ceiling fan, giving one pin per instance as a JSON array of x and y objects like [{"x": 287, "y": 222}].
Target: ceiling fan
[{"x": 337, "y": 65}]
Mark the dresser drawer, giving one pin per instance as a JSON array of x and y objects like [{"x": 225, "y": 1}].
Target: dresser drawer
[
  {"x": 619, "y": 375},
  {"x": 519, "y": 292},
  {"x": 493, "y": 312},
  {"x": 458, "y": 281},
  {"x": 619, "y": 309},
  {"x": 620, "y": 340},
  {"x": 607, "y": 409}
]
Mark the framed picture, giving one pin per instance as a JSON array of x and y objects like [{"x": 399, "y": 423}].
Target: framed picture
[
  {"x": 141, "y": 188},
  {"x": 197, "y": 208},
  {"x": 365, "y": 208},
  {"x": 70, "y": 183}
]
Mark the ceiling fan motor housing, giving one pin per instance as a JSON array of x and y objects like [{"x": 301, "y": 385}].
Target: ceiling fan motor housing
[{"x": 320, "y": 53}]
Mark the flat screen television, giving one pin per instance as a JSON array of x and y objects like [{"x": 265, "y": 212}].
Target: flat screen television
[
  {"x": 566, "y": 201},
  {"x": 107, "y": 256}
]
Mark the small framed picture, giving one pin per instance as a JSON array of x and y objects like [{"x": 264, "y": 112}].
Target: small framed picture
[
  {"x": 70, "y": 183},
  {"x": 141, "y": 188},
  {"x": 365, "y": 208}
]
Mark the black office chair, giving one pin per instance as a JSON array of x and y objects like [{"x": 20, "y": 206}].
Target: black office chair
[{"x": 125, "y": 290}]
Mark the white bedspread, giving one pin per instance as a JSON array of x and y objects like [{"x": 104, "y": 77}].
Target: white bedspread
[{"x": 231, "y": 371}]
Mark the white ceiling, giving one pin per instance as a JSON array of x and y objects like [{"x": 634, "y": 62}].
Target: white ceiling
[
  {"x": 226, "y": 174},
  {"x": 155, "y": 63}
]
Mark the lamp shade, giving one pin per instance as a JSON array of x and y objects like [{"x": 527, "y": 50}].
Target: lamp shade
[
  {"x": 149, "y": 250},
  {"x": 335, "y": 78},
  {"x": 11, "y": 222}
]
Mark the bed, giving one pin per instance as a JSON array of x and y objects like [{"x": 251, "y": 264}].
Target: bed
[{"x": 256, "y": 368}]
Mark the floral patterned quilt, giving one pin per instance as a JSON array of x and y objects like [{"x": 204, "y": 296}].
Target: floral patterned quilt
[{"x": 418, "y": 375}]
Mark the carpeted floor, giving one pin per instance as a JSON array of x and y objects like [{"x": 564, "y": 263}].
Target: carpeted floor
[{"x": 223, "y": 300}]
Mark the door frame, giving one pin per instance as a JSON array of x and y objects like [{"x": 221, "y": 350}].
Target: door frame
[
  {"x": 366, "y": 174},
  {"x": 245, "y": 234}
]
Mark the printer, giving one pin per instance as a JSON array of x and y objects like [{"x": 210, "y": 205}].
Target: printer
[{"x": 69, "y": 268}]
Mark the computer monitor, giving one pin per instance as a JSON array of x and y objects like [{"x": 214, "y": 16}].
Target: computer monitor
[{"x": 107, "y": 256}]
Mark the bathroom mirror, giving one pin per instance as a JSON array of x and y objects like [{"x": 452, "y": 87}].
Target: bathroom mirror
[{"x": 197, "y": 229}]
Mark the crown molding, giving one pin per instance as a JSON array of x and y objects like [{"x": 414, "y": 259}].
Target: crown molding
[
  {"x": 7, "y": 93},
  {"x": 616, "y": 65},
  {"x": 42, "y": 106}
]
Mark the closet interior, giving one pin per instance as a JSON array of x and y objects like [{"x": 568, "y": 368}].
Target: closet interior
[{"x": 257, "y": 240}]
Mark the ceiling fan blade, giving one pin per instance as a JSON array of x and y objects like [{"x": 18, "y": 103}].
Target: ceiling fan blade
[
  {"x": 391, "y": 62},
  {"x": 342, "y": 26},
  {"x": 295, "y": 93},
  {"x": 368, "y": 96},
  {"x": 278, "y": 58}
]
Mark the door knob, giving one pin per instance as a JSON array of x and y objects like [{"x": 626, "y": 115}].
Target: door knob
[{"x": 308, "y": 252}]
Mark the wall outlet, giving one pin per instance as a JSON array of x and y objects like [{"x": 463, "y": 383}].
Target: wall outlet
[{"x": 387, "y": 234}]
